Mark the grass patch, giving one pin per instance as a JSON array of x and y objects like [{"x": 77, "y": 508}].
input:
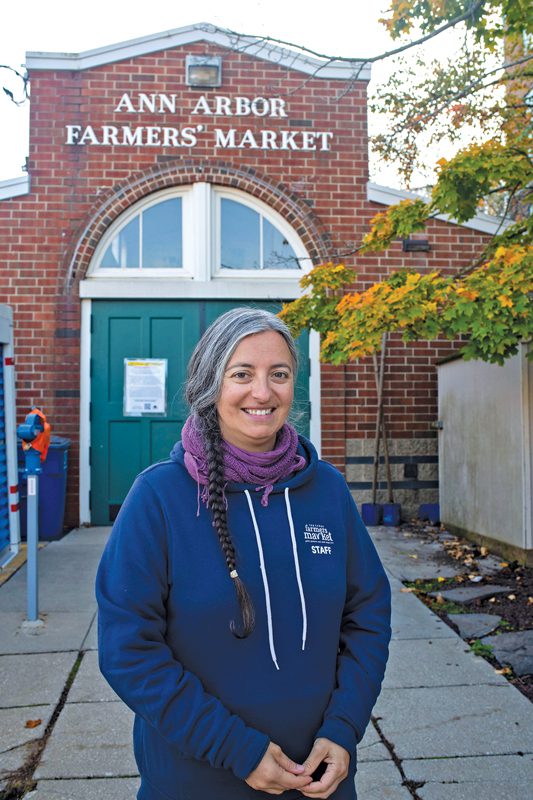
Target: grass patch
[
  {"x": 446, "y": 606},
  {"x": 425, "y": 586},
  {"x": 480, "y": 649}
]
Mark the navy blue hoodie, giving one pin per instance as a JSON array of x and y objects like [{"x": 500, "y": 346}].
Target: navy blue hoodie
[{"x": 206, "y": 703}]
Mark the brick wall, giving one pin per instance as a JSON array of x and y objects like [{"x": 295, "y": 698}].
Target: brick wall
[{"x": 48, "y": 237}]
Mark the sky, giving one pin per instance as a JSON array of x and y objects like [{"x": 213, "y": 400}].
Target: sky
[{"x": 337, "y": 27}]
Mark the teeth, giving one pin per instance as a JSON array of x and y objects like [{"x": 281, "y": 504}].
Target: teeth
[{"x": 259, "y": 412}]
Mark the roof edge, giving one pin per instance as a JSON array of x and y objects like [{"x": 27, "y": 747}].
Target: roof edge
[
  {"x": 387, "y": 196},
  {"x": 14, "y": 187},
  {"x": 358, "y": 69}
]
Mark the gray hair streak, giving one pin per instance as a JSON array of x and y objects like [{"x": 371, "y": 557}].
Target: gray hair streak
[{"x": 208, "y": 362}]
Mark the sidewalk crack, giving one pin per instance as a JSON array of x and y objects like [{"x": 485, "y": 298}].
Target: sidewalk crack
[
  {"x": 411, "y": 786},
  {"x": 20, "y": 781}
]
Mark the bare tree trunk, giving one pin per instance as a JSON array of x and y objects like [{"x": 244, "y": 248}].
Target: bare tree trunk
[{"x": 379, "y": 374}]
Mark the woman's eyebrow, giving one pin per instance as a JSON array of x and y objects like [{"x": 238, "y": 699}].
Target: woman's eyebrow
[{"x": 251, "y": 366}]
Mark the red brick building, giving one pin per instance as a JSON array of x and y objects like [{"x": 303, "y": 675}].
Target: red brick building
[{"x": 170, "y": 178}]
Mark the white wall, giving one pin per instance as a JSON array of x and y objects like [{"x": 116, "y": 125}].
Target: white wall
[{"x": 485, "y": 459}]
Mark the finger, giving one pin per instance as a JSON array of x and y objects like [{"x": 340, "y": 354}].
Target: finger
[
  {"x": 327, "y": 783},
  {"x": 287, "y": 763},
  {"x": 315, "y": 757},
  {"x": 286, "y": 780}
]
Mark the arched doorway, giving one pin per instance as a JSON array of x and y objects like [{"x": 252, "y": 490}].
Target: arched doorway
[{"x": 163, "y": 271}]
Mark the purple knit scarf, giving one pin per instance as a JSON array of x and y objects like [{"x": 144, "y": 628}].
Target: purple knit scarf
[{"x": 260, "y": 468}]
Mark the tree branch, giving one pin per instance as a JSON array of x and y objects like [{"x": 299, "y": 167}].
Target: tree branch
[
  {"x": 25, "y": 82},
  {"x": 475, "y": 86},
  {"x": 372, "y": 59},
  {"x": 253, "y": 41}
]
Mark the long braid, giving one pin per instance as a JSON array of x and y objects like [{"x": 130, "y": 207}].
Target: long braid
[{"x": 217, "y": 504}]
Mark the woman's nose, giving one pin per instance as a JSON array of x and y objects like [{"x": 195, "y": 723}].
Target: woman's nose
[{"x": 261, "y": 389}]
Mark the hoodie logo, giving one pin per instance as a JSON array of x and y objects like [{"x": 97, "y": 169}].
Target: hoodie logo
[{"x": 319, "y": 538}]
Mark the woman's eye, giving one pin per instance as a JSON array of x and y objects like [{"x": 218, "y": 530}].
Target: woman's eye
[
  {"x": 240, "y": 375},
  {"x": 281, "y": 376}
]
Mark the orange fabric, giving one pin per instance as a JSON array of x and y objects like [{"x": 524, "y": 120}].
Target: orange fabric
[{"x": 41, "y": 442}]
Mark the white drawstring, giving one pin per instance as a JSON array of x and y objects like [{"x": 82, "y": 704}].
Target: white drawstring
[
  {"x": 297, "y": 568},
  {"x": 265, "y": 580}
]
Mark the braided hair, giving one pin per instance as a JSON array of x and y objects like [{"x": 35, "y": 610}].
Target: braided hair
[
  {"x": 217, "y": 504},
  {"x": 204, "y": 385}
]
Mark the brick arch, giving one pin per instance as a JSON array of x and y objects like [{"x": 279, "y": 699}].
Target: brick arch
[{"x": 278, "y": 196}]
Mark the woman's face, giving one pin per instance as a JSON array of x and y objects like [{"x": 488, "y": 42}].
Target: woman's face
[{"x": 257, "y": 392}]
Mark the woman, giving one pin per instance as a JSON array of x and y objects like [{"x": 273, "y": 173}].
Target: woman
[{"x": 243, "y": 610}]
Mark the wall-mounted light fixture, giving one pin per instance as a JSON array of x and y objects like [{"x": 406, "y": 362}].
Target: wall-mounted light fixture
[
  {"x": 415, "y": 245},
  {"x": 204, "y": 71}
]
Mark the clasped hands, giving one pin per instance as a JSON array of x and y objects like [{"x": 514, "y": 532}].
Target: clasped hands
[{"x": 276, "y": 772}]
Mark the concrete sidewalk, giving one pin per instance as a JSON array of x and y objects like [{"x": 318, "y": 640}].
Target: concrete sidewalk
[{"x": 446, "y": 726}]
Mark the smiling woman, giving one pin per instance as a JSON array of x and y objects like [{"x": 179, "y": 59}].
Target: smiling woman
[{"x": 230, "y": 711}]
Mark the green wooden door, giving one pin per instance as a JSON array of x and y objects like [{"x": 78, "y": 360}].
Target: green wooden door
[{"x": 122, "y": 446}]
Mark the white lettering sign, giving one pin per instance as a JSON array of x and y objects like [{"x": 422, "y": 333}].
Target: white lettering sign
[
  {"x": 149, "y": 136},
  {"x": 154, "y": 103},
  {"x": 272, "y": 140},
  {"x": 240, "y": 106},
  {"x": 166, "y": 136}
]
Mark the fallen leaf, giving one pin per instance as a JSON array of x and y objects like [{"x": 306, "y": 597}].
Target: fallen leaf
[
  {"x": 439, "y": 599},
  {"x": 530, "y": 600},
  {"x": 484, "y": 551},
  {"x": 406, "y": 589},
  {"x": 492, "y": 599},
  {"x": 511, "y": 597},
  {"x": 475, "y": 578},
  {"x": 441, "y": 579},
  {"x": 33, "y": 723},
  {"x": 504, "y": 671},
  {"x": 504, "y": 563}
]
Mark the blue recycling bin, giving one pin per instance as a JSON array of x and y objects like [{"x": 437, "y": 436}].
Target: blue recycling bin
[{"x": 52, "y": 490}]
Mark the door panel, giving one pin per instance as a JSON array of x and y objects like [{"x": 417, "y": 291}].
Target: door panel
[
  {"x": 125, "y": 456},
  {"x": 121, "y": 447}
]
